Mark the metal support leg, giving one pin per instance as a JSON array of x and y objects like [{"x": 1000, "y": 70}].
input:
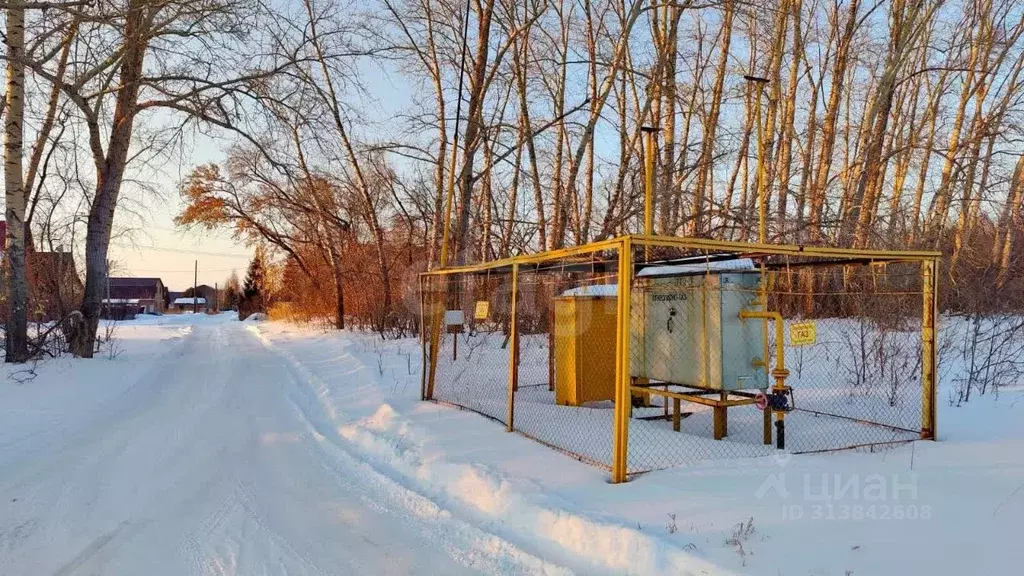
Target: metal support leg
[
  {"x": 780, "y": 433},
  {"x": 721, "y": 422}
]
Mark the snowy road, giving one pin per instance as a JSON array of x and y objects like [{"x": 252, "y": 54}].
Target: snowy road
[{"x": 215, "y": 460}]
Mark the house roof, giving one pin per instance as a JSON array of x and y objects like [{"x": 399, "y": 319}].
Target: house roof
[
  {"x": 189, "y": 301},
  {"x": 138, "y": 288},
  {"x": 132, "y": 281}
]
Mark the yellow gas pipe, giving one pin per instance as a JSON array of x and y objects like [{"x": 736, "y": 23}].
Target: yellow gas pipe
[{"x": 780, "y": 373}]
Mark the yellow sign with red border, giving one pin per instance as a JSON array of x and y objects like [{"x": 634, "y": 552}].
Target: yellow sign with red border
[{"x": 803, "y": 334}]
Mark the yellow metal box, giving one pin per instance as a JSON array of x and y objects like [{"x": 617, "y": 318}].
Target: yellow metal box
[{"x": 584, "y": 349}]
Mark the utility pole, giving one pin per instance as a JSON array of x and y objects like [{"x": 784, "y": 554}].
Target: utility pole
[
  {"x": 216, "y": 296},
  {"x": 649, "y": 159},
  {"x": 195, "y": 286}
]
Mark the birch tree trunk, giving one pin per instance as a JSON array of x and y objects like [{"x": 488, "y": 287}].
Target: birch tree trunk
[
  {"x": 474, "y": 125},
  {"x": 16, "y": 349}
]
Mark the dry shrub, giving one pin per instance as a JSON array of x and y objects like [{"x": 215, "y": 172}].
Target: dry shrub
[{"x": 308, "y": 295}]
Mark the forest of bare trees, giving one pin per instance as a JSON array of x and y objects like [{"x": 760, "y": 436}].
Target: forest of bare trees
[{"x": 881, "y": 124}]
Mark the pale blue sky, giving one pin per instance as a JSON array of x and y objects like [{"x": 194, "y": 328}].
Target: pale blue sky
[
  {"x": 163, "y": 250},
  {"x": 157, "y": 248}
]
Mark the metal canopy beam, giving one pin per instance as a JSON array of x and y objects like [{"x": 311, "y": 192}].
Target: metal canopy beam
[{"x": 741, "y": 249}]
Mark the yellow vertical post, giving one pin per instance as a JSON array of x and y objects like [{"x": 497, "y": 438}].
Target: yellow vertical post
[
  {"x": 513, "y": 354},
  {"x": 424, "y": 318},
  {"x": 929, "y": 357},
  {"x": 762, "y": 295},
  {"x": 648, "y": 180},
  {"x": 623, "y": 398},
  {"x": 762, "y": 184},
  {"x": 435, "y": 337},
  {"x": 551, "y": 344},
  {"x": 649, "y": 157}
]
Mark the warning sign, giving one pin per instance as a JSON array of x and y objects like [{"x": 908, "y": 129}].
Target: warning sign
[
  {"x": 803, "y": 334},
  {"x": 483, "y": 309}
]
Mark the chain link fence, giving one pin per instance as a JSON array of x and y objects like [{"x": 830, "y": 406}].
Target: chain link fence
[
  {"x": 470, "y": 365},
  {"x": 565, "y": 398},
  {"x": 851, "y": 342},
  {"x": 684, "y": 368}
]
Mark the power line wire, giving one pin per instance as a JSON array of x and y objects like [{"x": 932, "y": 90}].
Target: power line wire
[
  {"x": 181, "y": 271},
  {"x": 180, "y": 250}
]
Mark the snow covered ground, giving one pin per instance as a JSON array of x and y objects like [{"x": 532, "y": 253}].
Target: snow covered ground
[
  {"x": 198, "y": 450},
  {"x": 210, "y": 446}
]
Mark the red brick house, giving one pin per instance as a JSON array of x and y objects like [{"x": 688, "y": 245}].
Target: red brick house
[{"x": 55, "y": 289}]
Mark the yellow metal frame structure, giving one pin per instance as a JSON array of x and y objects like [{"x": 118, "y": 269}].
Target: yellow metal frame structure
[{"x": 624, "y": 246}]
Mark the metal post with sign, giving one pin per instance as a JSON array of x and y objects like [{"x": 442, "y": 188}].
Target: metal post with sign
[{"x": 454, "y": 321}]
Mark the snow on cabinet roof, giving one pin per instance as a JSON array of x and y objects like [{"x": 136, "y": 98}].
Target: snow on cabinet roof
[
  {"x": 697, "y": 267},
  {"x": 189, "y": 301},
  {"x": 596, "y": 290},
  {"x": 120, "y": 300},
  {"x": 738, "y": 264}
]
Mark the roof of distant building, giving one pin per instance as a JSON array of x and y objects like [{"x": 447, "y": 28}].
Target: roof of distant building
[
  {"x": 189, "y": 301},
  {"x": 140, "y": 288},
  {"x": 132, "y": 281}
]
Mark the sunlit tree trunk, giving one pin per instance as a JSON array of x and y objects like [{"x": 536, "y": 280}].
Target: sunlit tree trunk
[
  {"x": 917, "y": 220},
  {"x": 110, "y": 173},
  {"x": 828, "y": 128},
  {"x": 1010, "y": 221},
  {"x": 559, "y": 210},
  {"x": 788, "y": 126},
  {"x": 941, "y": 199},
  {"x": 705, "y": 174},
  {"x": 772, "y": 116},
  {"x": 907, "y": 23}
]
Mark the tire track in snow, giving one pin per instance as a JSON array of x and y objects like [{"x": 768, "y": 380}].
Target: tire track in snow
[
  {"x": 94, "y": 548},
  {"x": 468, "y": 543},
  {"x": 588, "y": 545}
]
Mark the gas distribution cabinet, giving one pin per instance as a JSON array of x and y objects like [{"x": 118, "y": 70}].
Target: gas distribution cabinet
[{"x": 687, "y": 330}]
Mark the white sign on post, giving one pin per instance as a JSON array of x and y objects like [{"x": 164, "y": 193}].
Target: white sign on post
[{"x": 454, "y": 318}]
